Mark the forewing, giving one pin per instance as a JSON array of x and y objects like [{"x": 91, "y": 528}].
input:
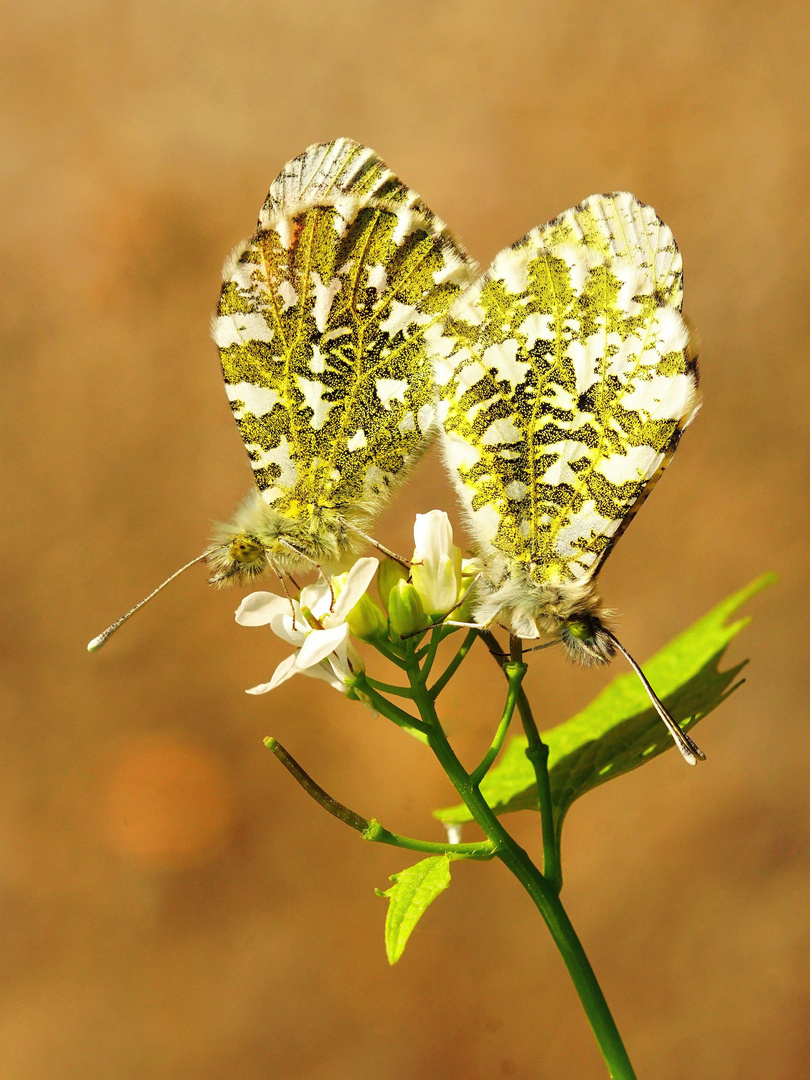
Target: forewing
[
  {"x": 565, "y": 380},
  {"x": 321, "y": 326},
  {"x": 624, "y": 230}
]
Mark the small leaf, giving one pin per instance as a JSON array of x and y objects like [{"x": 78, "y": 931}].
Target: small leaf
[
  {"x": 619, "y": 730},
  {"x": 409, "y": 897}
]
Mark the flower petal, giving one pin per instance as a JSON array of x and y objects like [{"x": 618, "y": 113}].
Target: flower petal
[
  {"x": 288, "y": 629},
  {"x": 318, "y": 598},
  {"x": 432, "y": 536},
  {"x": 358, "y": 580},
  {"x": 438, "y": 584},
  {"x": 262, "y": 688},
  {"x": 324, "y": 671},
  {"x": 283, "y": 672},
  {"x": 258, "y": 608},
  {"x": 319, "y": 644}
]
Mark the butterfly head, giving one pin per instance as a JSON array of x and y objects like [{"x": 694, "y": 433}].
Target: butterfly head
[
  {"x": 240, "y": 560},
  {"x": 586, "y": 639}
]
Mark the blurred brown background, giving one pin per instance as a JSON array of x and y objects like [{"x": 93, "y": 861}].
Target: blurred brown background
[{"x": 171, "y": 904}]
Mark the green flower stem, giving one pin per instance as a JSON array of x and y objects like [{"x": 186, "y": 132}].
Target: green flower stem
[
  {"x": 332, "y": 806},
  {"x": 514, "y": 673},
  {"x": 431, "y": 649},
  {"x": 552, "y": 865},
  {"x": 424, "y": 649},
  {"x": 388, "y": 688},
  {"x": 453, "y": 666},
  {"x": 537, "y": 753},
  {"x": 360, "y": 685},
  {"x": 392, "y": 654},
  {"x": 375, "y": 832},
  {"x": 372, "y": 830},
  {"x": 539, "y": 889}
]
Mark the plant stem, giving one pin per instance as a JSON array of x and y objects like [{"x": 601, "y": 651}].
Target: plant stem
[
  {"x": 414, "y": 727},
  {"x": 537, "y": 753},
  {"x": 515, "y": 673},
  {"x": 323, "y": 798},
  {"x": 452, "y": 667},
  {"x": 541, "y": 891},
  {"x": 388, "y": 688},
  {"x": 372, "y": 830},
  {"x": 376, "y": 833},
  {"x": 430, "y": 650}
]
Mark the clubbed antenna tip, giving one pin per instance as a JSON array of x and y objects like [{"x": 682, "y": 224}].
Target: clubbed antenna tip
[
  {"x": 97, "y": 642},
  {"x": 690, "y": 751}
]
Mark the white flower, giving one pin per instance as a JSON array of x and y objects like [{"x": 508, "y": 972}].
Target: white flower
[
  {"x": 318, "y": 629},
  {"x": 436, "y": 573}
]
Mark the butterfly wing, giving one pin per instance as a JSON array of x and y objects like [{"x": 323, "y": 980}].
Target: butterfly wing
[
  {"x": 627, "y": 232},
  {"x": 565, "y": 380},
  {"x": 321, "y": 326}
]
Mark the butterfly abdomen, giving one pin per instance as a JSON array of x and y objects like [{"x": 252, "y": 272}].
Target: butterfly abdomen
[{"x": 511, "y": 595}]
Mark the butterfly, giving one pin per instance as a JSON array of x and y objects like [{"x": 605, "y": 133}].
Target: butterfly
[
  {"x": 321, "y": 329},
  {"x": 566, "y": 376}
]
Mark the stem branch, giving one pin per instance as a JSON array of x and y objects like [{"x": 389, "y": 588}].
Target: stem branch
[
  {"x": 537, "y": 753},
  {"x": 375, "y": 832},
  {"x": 323, "y": 798},
  {"x": 514, "y": 673},
  {"x": 452, "y": 667}
]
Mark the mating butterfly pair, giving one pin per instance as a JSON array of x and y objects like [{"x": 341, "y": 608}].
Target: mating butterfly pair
[{"x": 352, "y": 328}]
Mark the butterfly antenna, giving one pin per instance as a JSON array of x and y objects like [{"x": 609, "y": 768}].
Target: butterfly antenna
[
  {"x": 97, "y": 642},
  {"x": 689, "y": 749}
]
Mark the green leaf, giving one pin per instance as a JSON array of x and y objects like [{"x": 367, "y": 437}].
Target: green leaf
[
  {"x": 619, "y": 730},
  {"x": 409, "y": 897}
]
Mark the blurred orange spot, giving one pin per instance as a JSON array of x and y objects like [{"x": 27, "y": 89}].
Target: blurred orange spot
[{"x": 168, "y": 804}]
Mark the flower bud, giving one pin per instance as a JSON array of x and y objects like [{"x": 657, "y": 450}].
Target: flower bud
[
  {"x": 436, "y": 572},
  {"x": 366, "y": 621},
  {"x": 405, "y": 610},
  {"x": 388, "y": 574}
]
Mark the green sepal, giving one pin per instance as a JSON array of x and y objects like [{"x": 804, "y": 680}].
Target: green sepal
[
  {"x": 366, "y": 621},
  {"x": 405, "y": 610},
  {"x": 389, "y": 573},
  {"x": 619, "y": 730},
  {"x": 413, "y": 891}
]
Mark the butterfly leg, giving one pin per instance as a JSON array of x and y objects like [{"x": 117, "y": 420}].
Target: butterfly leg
[
  {"x": 283, "y": 582},
  {"x": 534, "y": 648},
  {"x": 318, "y": 567}
]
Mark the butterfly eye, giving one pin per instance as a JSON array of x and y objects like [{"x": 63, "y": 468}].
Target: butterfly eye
[
  {"x": 245, "y": 549},
  {"x": 581, "y": 629},
  {"x": 587, "y": 640}
]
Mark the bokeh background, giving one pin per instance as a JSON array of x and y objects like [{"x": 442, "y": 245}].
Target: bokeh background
[{"x": 171, "y": 904}]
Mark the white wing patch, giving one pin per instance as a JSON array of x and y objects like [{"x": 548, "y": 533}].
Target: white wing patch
[
  {"x": 289, "y": 297},
  {"x": 227, "y": 330},
  {"x": 324, "y": 297},
  {"x": 390, "y": 390}
]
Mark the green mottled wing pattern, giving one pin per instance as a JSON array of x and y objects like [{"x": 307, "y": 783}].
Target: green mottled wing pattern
[
  {"x": 321, "y": 326},
  {"x": 565, "y": 380},
  {"x": 624, "y": 231}
]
